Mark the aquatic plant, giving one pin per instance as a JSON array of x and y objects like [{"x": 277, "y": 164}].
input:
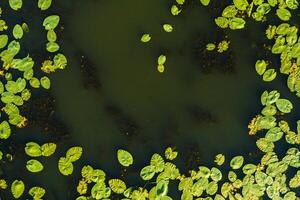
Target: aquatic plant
[{"x": 275, "y": 176}]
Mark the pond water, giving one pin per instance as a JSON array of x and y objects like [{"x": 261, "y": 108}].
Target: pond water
[{"x": 111, "y": 95}]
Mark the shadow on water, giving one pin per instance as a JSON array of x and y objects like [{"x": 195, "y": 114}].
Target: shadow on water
[{"x": 111, "y": 96}]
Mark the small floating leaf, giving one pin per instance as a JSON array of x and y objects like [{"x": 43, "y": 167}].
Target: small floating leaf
[
  {"x": 147, "y": 172},
  {"x": 44, "y": 4},
  {"x": 18, "y": 31},
  {"x": 210, "y": 47},
  {"x": 145, "y": 37},
  {"x": 219, "y": 159},
  {"x": 269, "y": 75},
  {"x": 34, "y": 166},
  {"x": 205, "y": 2},
  {"x": 51, "y": 22},
  {"x": 17, "y": 189},
  {"x": 124, "y": 158},
  {"x": 261, "y": 66},
  {"x": 15, "y": 4},
  {"x": 161, "y": 60},
  {"x": 3, "y": 41},
  {"x": 65, "y": 166},
  {"x": 45, "y": 82},
  {"x": 117, "y": 186},
  {"x": 170, "y": 154},
  {"x": 48, "y": 149},
  {"x": 283, "y": 14},
  {"x": 284, "y": 105},
  {"x": 37, "y": 192},
  {"x": 74, "y": 153},
  {"x": 237, "y": 162},
  {"x": 241, "y": 4},
  {"x": 168, "y": 28},
  {"x": 33, "y": 149}
]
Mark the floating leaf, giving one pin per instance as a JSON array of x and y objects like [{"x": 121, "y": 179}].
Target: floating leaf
[
  {"x": 37, "y": 192},
  {"x": 161, "y": 60},
  {"x": 15, "y": 4},
  {"x": 5, "y": 130},
  {"x": 52, "y": 47},
  {"x": 269, "y": 75},
  {"x": 222, "y": 22},
  {"x": 51, "y": 22},
  {"x": 175, "y": 10},
  {"x": 168, "y": 28},
  {"x": 241, "y": 4},
  {"x": 210, "y": 47},
  {"x": 219, "y": 159},
  {"x": 160, "y": 68},
  {"x": 117, "y": 186},
  {"x": 236, "y": 23},
  {"x": 17, "y": 189},
  {"x": 162, "y": 188},
  {"x": 48, "y": 149},
  {"x": 51, "y": 36},
  {"x": 44, "y": 4},
  {"x": 170, "y": 154},
  {"x": 145, "y": 37},
  {"x": 284, "y": 105},
  {"x": 274, "y": 134},
  {"x": 33, "y": 149},
  {"x": 3, "y": 41},
  {"x": 157, "y": 162},
  {"x": 74, "y": 153},
  {"x": 34, "y": 166},
  {"x": 237, "y": 162},
  {"x": 261, "y": 66},
  {"x": 65, "y": 166},
  {"x": 147, "y": 172},
  {"x": 229, "y": 11},
  {"x": 216, "y": 174},
  {"x": 45, "y": 82},
  {"x": 283, "y": 14},
  {"x": 205, "y": 2},
  {"x": 18, "y": 31},
  {"x": 124, "y": 158},
  {"x": 212, "y": 188}
]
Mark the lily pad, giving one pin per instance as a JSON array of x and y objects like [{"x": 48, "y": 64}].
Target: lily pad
[
  {"x": 284, "y": 105},
  {"x": 17, "y": 188},
  {"x": 124, "y": 158},
  {"x": 34, "y": 166}
]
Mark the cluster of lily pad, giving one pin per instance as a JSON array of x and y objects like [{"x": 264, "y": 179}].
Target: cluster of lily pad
[
  {"x": 221, "y": 47},
  {"x": 19, "y": 78}
]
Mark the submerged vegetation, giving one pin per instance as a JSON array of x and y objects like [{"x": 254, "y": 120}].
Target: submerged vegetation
[{"x": 275, "y": 176}]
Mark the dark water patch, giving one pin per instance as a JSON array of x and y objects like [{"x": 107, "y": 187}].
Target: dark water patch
[
  {"x": 201, "y": 115},
  {"x": 126, "y": 125},
  {"x": 89, "y": 72},
  {"x": 193, "y": 158},
  {"x": 40, "y": 112}
]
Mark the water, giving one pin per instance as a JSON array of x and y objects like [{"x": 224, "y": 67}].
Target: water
[{"x": 130, "y": 105}]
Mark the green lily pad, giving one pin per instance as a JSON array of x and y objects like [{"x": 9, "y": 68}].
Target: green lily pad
[
  {"x": 124, "y": 158},
  {"x": 3, "y": 40},
  {"x": 51, "y": 22},
  {"x": 236, "y": 162},
  {"x": 33, "y": 149},
  {"x": 261, "y": 66},
  {"x": 74, "y": 153},
  {"x": 18, "y": 31},
  {"x": 48, "y": 149},
  {"x": 37, "y": 192},
  {"x": 45, "y": 82},
  {"x": 157, "y": 162},
  {"x": 269, "y": 75},
  {"x": 15, "y": 4},
  {"x": 145, "y": 37},
  {"x": 284, "y": 105},
  {"x": 65, "y": 166},
  {"x": 205, "y": 2},
  {"x": 168, "y": 28},
  {"x": 17, "y": 188},
  {"x": 5, "y": 130},
  {"x": 283, "y": 14},
  {"x": 241, "y": 4},
  {"x": 117, "y": 186},
  {"x": 34, "y": 166},
  {"x": 147, "y": 172},
  {"x": 44, "y": 4}
]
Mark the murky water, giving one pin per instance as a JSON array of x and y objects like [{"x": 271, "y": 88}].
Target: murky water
[{"x": 115, "y": 98}]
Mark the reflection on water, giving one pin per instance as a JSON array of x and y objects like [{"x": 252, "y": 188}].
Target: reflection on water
[{"x": 111, "y": 96}]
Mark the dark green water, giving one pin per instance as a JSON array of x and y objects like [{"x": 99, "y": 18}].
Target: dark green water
[{"x": 129, "y": 105}]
